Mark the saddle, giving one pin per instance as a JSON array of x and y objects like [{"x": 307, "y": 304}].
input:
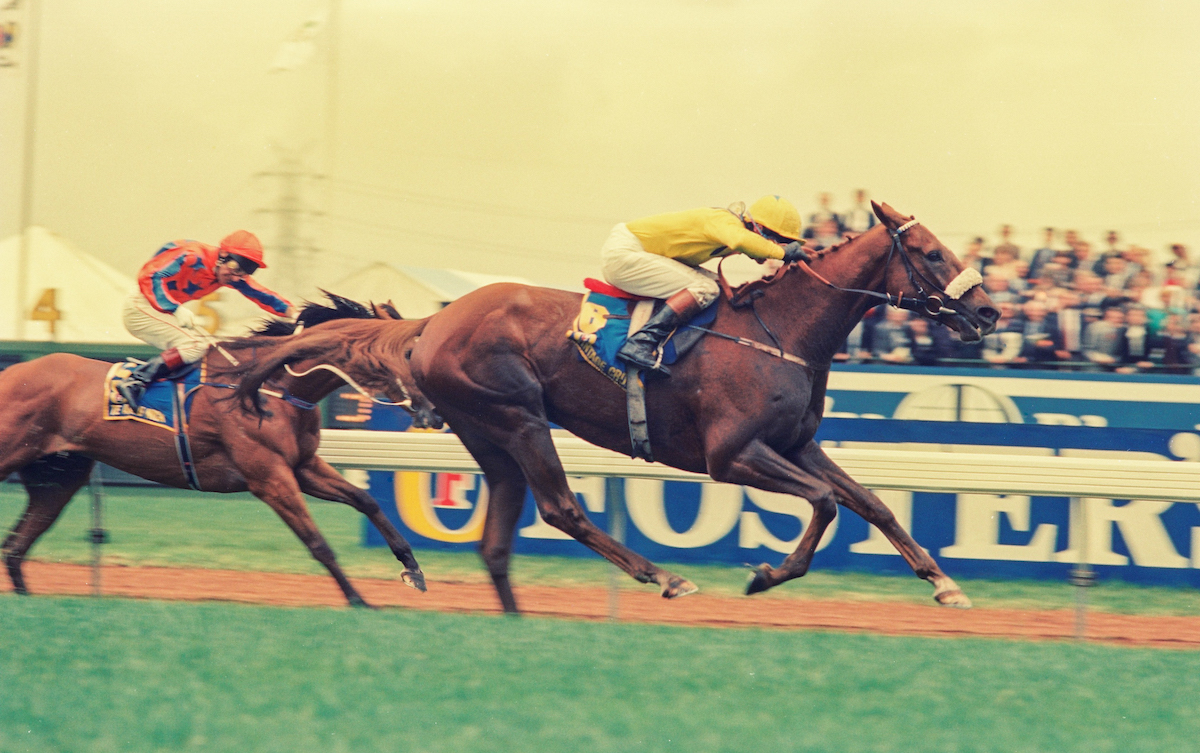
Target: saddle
[
  {"x": 166, "y": 404},
  {"x": 606, "y": 318},
  {"x": 608, "y": 315}
]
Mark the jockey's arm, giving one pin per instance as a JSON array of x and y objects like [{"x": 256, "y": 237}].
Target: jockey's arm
[
  {"x": 730, "y": 231},
  {"x": 266, "y": 299}
]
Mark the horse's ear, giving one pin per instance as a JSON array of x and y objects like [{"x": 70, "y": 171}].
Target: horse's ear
[
  {"x": 888, "y": 216},
  {"x": 385, "y": 311}
]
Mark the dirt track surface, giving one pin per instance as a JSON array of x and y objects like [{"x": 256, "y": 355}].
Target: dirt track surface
[{"x": 593, "y": 604}]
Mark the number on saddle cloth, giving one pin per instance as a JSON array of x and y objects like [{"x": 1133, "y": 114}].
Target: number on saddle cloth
[{"x": 602, "y": 327}]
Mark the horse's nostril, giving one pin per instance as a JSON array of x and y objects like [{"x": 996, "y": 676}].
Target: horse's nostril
[{"x": 989, "y": 314}]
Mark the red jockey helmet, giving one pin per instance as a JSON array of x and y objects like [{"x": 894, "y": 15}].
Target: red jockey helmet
[{"x": 244, "y": 244}]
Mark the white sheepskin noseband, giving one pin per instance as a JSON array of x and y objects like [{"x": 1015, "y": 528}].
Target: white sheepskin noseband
[{"x": 967, "y": 279}]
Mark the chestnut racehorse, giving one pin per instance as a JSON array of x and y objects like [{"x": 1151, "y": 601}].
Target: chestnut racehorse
[
  {"x": 53, "y": 431},
  {"x": 742, "y": 407}
]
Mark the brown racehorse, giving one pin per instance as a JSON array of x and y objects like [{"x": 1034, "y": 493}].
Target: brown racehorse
[
  {"x": 499, "y": 369},
  {"x": 51, "y": 411}
]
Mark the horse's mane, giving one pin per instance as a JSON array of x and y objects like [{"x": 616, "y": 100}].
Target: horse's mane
[
  {"x": 737, "y": 295},
  {"x": 313, "y": 313},
  {"x": 378, "y": 348}
]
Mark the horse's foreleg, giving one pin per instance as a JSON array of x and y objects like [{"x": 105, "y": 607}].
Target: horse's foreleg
[
  {"x": 279, "y": 489},
  {"x": 757, "y": 465},
  {"x": 871, "y": 509},
  {"x": 51, "y": 482},
  {"x": 319, "y": 479}
]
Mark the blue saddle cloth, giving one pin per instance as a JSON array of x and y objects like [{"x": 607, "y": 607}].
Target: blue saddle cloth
[
  {"x": 602, "y": 327},
  {"x": 160, "y": 403}
]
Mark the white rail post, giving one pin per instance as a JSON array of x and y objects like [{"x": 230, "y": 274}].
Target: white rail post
[
  {"x": 96, "y": 534},
  {"x": 614, "y": 507}
]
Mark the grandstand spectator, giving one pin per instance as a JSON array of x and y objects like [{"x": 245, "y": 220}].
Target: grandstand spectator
[
  {"x": 1138, "y": 259},
  {"x": 1043, "y": 255},
  {"x": 972, "y": 255},
  {"x": 1082, "y": 251},
  {"x": 1006, "y": 263},
  {"x": 858, "y": 218},
  {"x": 1161, "y": 301},
  {"x": 1068, "y": 315},
  {"x": 1111, "y": 249},
  {"x": 1060, "y": 269},
  {"x": 1102, "y": 339},
  {"x": 1041, "y": 341},
  {"x": 997, "y": 287},
  {"x": 827, "y": 234},
  {"x": 1171, "y": 342},
  {"x": 1136, "y": 342},
  {"x": 1116, "y": 272},
  {"x": 1003, "y": 345},
  {"x": 1006, "y": 243},
  {"x": 930, "y": 343},
  {"x": 823, "y": 214},
  {"x": 892, "y": 342},
  {"x": 1193, "y": 326},
  {"x": 1140, "y": 289},
  {"x": 1180, "y": 270}
]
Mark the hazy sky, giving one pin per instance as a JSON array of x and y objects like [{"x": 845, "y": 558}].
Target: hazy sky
[{"x": 508, "y": 137}]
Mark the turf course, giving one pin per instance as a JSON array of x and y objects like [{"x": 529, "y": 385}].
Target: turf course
[
  {"x": 153, "y": 526},
  {"x": 116, "y": 675}
]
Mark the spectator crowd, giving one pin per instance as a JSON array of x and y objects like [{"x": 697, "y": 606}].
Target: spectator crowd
[{"x": 1064, "y": 305}]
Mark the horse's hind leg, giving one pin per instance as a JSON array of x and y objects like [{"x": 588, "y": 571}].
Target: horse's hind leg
[
  {"x": 279, "y": 489},
  {"x": 51, "y": 482},
  {"x": 319, "y": 479},
  {"x": 526, "y": 439},
  {"x": 506, "y": 497}
]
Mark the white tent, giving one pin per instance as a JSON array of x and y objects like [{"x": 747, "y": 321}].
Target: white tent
[
  {"x": 87, "y": 294},
  {"x": 416, "y": 291}
]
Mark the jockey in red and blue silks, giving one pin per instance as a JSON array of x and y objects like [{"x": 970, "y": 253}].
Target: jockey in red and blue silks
[{"x": 179, "y": 272}]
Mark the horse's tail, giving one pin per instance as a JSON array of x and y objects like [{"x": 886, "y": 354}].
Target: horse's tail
[{"x": 254, "y": 373}]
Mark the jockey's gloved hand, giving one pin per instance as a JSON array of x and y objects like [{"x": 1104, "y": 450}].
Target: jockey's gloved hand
[
  {"x": 795, "y": 252},
  {"x": 185, "y": 318}
]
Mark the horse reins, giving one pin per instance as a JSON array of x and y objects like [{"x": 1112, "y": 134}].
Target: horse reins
[
  {"x": 406, "y": 403},
  {"x": 928, "y": 304}
]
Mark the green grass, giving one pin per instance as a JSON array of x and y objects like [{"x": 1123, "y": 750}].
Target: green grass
[
  {"x": 117, "y": 675},
  {"x": 153, "y": 526}
]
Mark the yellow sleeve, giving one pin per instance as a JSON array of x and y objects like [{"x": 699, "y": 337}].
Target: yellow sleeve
[{"x": 729, "y": 230}]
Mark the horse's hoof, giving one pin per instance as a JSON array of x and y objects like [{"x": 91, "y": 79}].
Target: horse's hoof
[
  {"x": 677, "y": 587},
  {"x": 953, "y": 598},
  {"x": 758, "y": 580},
  {"x": 414, "y": 579}
]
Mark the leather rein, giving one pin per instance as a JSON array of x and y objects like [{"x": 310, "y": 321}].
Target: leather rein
[{"x": 926, "y": 304}]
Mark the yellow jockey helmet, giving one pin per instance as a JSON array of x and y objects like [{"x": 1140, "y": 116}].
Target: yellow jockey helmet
[{"x": 778, "y": 215}]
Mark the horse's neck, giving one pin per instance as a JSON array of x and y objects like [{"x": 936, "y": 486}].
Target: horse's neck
[{"x": 819, "y": 317}]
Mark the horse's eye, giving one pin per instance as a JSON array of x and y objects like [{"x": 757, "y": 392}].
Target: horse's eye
[{"x": 934, "y": 256}]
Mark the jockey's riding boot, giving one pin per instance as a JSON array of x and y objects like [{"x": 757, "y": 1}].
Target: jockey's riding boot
[
  {"x": 133, "y": 386},
  {"x": 641, "y": 349}
]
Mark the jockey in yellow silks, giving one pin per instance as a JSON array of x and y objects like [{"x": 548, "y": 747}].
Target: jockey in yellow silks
[{"x": 659, "y": 257}]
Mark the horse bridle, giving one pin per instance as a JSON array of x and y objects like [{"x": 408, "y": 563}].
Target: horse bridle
[{"x": 926, "y": 304}]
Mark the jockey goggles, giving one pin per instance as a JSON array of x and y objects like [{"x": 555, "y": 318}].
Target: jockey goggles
[{"x": 237, "y": 265}]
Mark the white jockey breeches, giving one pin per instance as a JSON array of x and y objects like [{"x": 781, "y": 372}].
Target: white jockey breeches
[
  {"x": 165, "y": 331},
  {"x": 628, "y": 265}
]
